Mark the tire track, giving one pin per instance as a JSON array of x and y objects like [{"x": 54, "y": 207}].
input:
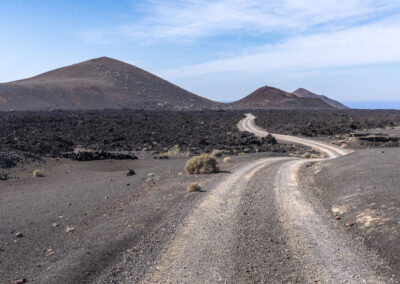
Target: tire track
[
  {"x": 201, "y": 251},
  {"x": 205, "y": 248},
  {"x": 327, "y": 254}
]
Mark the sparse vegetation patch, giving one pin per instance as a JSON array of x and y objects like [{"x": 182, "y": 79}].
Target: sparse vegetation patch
[
  {"x": 203, "y": 164},
  {"x": 194, "y": 186},
  {"x": 217, "y": 153},
  {"x": 38, "y": 173}
]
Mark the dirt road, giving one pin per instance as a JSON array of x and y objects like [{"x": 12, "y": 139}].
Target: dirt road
[
  {"x": 255, "y": 222},
  {"x": 248, "y": 124},
  {"x": 261, "y": 225}
]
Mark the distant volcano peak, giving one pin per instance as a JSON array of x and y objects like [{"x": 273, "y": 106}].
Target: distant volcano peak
[
  {"x": 304, "y": 93},
  {"x": 269, "y": 97}
]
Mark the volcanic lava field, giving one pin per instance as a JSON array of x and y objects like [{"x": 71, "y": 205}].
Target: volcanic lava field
[
  {"x": 111, "y": 203},
  {"x": 34, "y": 135}
]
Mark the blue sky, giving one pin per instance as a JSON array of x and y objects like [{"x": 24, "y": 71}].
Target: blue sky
[{"x": 221, "y": 49}]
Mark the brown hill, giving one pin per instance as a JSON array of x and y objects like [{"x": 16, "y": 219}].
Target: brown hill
[
  {"x": 303, "y": 93},
  {"x": 273, "y": 98},
  {"x": 97, "y": 84}
]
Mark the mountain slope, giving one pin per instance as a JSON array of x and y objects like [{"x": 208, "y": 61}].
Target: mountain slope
[
  {"x": 271, "y": 98},
  {"x": 96, "y": 84},
  {"x": 303, "y": 93}
]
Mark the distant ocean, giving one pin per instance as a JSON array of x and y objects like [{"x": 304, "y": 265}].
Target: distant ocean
[
  {"x": 373, "y": 105},
  {"x": 366, "y": 104}
]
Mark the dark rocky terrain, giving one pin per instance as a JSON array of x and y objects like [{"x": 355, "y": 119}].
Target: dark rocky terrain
[
  {"x": 273, "y": 98},
  {"x": 26, "y": 136},
  {"x": 303, "y": 93},
  {"x": 325, "y": 122},
  {"x": 97, "y": 84}
]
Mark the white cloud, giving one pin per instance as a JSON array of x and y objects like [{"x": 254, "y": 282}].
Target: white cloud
[
  {"x": 188, "y": 20},
  {"x": 376, "y": 43},
  {"x": 192, "y": 19}
]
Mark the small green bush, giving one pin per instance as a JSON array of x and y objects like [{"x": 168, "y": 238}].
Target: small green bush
[{"x": 203, "y": 164}]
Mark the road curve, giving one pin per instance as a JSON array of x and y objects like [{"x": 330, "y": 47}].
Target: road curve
[
  {"x": 231, "y": 235},
  {"x": 248, "y": 124},
  {"x": 327, "y": 253}
]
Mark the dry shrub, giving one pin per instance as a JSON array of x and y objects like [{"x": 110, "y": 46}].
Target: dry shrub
[
  {"x": 174, "y": 152},
  {"x": 203, "y": 164},
  {"x": 217, "y": 153},
  {"x": 227, "y": 159},
  {"x": 38, "y": 173},
  {"x": 192, "y": 187}
]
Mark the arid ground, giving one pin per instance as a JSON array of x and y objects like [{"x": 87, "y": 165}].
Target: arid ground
[{"x": 320, "y": 206}]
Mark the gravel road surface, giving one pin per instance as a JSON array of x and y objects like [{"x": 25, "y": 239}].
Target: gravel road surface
[{"x": 216, "y": 244}]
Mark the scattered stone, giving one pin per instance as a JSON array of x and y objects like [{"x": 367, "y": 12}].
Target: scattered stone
[
  {"x": 55, "y": 225},
  {"x": 19, "y": 281},
  {"x": 130, "y": 173},
  {"x": 69, "y": 229},
  {"x": 19, "y": 235},
  {"x": 161, "y": 157},
  {"x": 3, "y": 176},
  {"x": 97, "y": 155},
  {"x": 49, "y": 252},
  {"x": 127, "y": 225},
  {"x": 349, "y": 224},
  {"x": 337, "y": 217}
]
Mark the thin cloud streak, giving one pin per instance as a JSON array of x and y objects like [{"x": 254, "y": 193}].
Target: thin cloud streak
[
  {"x": 371, "y": 44},
  {"x": 193, "y": 19},
  {"x": 189, "y": 20}
]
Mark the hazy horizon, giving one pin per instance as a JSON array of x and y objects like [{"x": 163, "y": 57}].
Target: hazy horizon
[{"x": 365, "y": 104}]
